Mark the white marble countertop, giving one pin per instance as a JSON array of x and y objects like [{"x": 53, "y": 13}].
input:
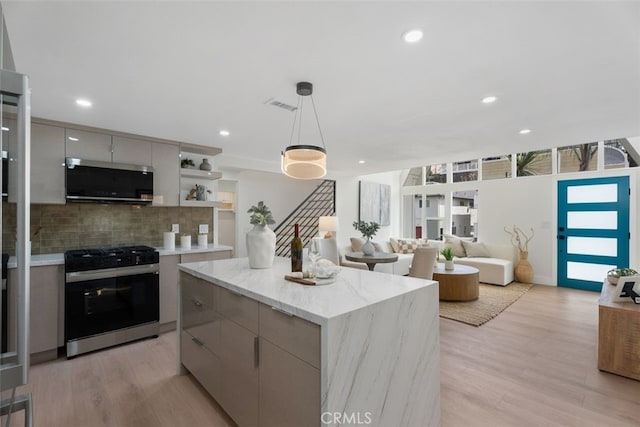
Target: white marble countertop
[
  {"x": 58, "y": 259},
  {"x": 352, "y": 290}
]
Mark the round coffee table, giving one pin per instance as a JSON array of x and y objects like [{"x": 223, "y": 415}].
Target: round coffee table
[
  {"x": 371, "y": 260},
  {"x": 459, "y": 284}
]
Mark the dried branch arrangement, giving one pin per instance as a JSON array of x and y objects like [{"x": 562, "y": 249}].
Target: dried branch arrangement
[{"x": 519, "y": 238}]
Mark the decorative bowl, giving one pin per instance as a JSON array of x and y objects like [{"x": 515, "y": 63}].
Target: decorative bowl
[{"x": 615, "y": 273}]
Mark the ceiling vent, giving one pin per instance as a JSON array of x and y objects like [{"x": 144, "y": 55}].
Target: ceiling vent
[{"x": 276, "y": 103}]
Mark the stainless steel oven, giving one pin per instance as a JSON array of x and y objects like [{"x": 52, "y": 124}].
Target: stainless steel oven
[{"x": 112, "y": 297}]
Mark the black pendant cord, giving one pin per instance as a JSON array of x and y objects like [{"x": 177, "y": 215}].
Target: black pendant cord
[
  {"x": 315, "y": 111},
  {"x": 295, "y": 119}
]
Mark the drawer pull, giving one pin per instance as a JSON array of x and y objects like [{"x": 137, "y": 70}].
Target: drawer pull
[
  {"x": 279, "y": 310},
  {"x": 256, "y": 351},
  {"x": 196, "y": 302},
  {"x": 197, "y": 341}
]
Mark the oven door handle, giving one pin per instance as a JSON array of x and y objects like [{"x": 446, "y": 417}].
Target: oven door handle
[{"x": 109, "y": 273}]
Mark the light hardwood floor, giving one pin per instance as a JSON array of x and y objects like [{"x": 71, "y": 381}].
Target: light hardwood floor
[{"x": 533, "y": 365}]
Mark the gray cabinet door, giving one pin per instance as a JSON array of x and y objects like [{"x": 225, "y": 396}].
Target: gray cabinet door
[
  {"x": 87, "y": 145},
  {"x": 166, "y": 174},
  {"x": 169, "y": 288},
  {"x": 289, "y": 389},
  {"x": 239, "y": 376},
  {"x": 131, "y": 151},
  {"x": 47, "y": 164}
]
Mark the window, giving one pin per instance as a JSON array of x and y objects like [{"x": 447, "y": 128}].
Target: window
[
  {"x": 435, "y": 216},
  {"x": 496, "y": 167},
  {"x": 436, "y": 174},
  {"x": 578, "y": 158},
  {"x": 465, "y": 171},
  {"x": 464, "y": 213},
  {"x": 615, "y": 155},
  {"x": 533, "y": 163}
]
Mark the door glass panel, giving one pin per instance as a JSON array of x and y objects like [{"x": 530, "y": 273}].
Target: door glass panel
[
  {"x": 602, "y": 193},
  {"x": 605, "y": 220},
  {"x": 587, "y": 271},
  {"x": 599, "y": 246}
]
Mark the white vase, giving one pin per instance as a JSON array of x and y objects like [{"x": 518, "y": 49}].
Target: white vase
[
  {"x": 448, "y": 265},
  {"x": 261, "y": 246},
  {"x": 368, "y": 248}
]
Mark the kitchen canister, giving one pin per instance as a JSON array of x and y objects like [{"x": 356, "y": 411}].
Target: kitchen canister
[
  {"x": 202, "y": 240},
  {"x": 169, "y": 240},
  {"x": 185, "y": 242}
]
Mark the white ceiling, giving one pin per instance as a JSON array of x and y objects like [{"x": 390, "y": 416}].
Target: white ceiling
[{"x": 184, "y": 70}]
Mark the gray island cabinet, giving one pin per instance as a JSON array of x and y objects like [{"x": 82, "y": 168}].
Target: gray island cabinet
[{"x": 363, "y": 350}]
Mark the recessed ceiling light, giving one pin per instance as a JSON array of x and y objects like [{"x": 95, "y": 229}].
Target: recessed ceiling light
[
  {"x": 489, "y": 99},
  {"x": 525, "y": 131},
  {"x": 84, "y": 102},
  {"x": 4, "y": 128},
  {"x": 224, "y": 133},
  {"x": 412, "y": 36},
  {"x": 362, "y": 162},
  {"x": 71, "y": 138}
]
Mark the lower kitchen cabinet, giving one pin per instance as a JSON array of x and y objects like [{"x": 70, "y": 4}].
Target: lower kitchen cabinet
[
  {"x": 261, "y": 380},
  {"x": 289, "y": 388},
  {"x": 169, "y": 281},
  {"x": 239, "y": 377},
  {"x": 44, "y": 307},
  {"x": 169, "y": 288}
]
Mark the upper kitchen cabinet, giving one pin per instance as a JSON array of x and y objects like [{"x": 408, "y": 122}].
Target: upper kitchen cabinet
[
  {"x": 131, "y": 151},
  {"x": 87, "y": 145},
  {"x": 47, "y": 164},
  {"x": 165, "y": 159},
  {"x": 197, "y": 171}
]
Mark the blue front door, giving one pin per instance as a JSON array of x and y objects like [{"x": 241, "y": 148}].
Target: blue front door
[{"x": 593, "y": 230}]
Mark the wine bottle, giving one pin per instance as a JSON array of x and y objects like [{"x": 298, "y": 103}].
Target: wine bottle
[{"x": 296, "y": 251}]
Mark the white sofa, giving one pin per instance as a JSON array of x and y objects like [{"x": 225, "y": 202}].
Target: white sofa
[{"x": 496, "y": 270}]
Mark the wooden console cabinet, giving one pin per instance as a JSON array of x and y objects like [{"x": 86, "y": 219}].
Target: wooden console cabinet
[{"x": 618, "y": 335}]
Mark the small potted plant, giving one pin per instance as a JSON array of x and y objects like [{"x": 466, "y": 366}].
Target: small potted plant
[
  {"x": 368, "y": 230},
  {"x": 447, "y": 253},
  {"x": 261, "y": 240},
  {"x": 187, "y": 163}
]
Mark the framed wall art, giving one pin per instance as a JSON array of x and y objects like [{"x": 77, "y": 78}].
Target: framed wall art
[{"x": 375, "y": 202}]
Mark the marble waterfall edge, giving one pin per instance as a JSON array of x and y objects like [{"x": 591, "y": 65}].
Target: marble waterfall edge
[{"x": 383, "y": 362}]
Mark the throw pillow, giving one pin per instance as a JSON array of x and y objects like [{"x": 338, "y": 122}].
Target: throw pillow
[
  {"x": 455, "y": 243},
  {"x": 476, "y": 250},
  {"x": 394, "y": 244},
  {"x": 356, "y": 244},
  {"x": 409, "y": 246},
  {"x": 378, "y": 247}
]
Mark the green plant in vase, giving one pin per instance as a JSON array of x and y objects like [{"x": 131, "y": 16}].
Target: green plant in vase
[
  {"x": 368, "y": 230},
  {"x": 448, "y": 254}
]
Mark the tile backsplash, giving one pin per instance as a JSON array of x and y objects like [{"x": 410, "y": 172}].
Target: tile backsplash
[{"x": 88, "y": 225}]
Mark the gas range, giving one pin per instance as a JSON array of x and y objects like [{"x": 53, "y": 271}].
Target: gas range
[
  {"x": 109, "y": 257},
  {"x": 111, "y": 296}
]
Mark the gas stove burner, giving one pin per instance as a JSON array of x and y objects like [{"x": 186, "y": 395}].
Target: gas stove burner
[{"x": 109, "y": 257}]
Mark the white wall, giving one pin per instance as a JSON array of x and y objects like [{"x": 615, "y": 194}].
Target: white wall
[
  {"x": 532, "y": 202},
  {"x": 347, "y": 204},
  {"x": 280, "y": 193}
]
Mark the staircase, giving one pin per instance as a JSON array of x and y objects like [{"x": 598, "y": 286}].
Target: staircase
[{"x": 321, "y": 202}]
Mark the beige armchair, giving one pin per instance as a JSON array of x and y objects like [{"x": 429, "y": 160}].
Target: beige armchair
[{"x": 423, "y": 262}]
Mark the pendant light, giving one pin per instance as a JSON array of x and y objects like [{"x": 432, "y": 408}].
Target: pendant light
[{"x": 302, "y": 161}]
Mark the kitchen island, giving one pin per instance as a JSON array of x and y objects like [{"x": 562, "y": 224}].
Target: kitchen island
[{"x": 362, "y": 350}]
